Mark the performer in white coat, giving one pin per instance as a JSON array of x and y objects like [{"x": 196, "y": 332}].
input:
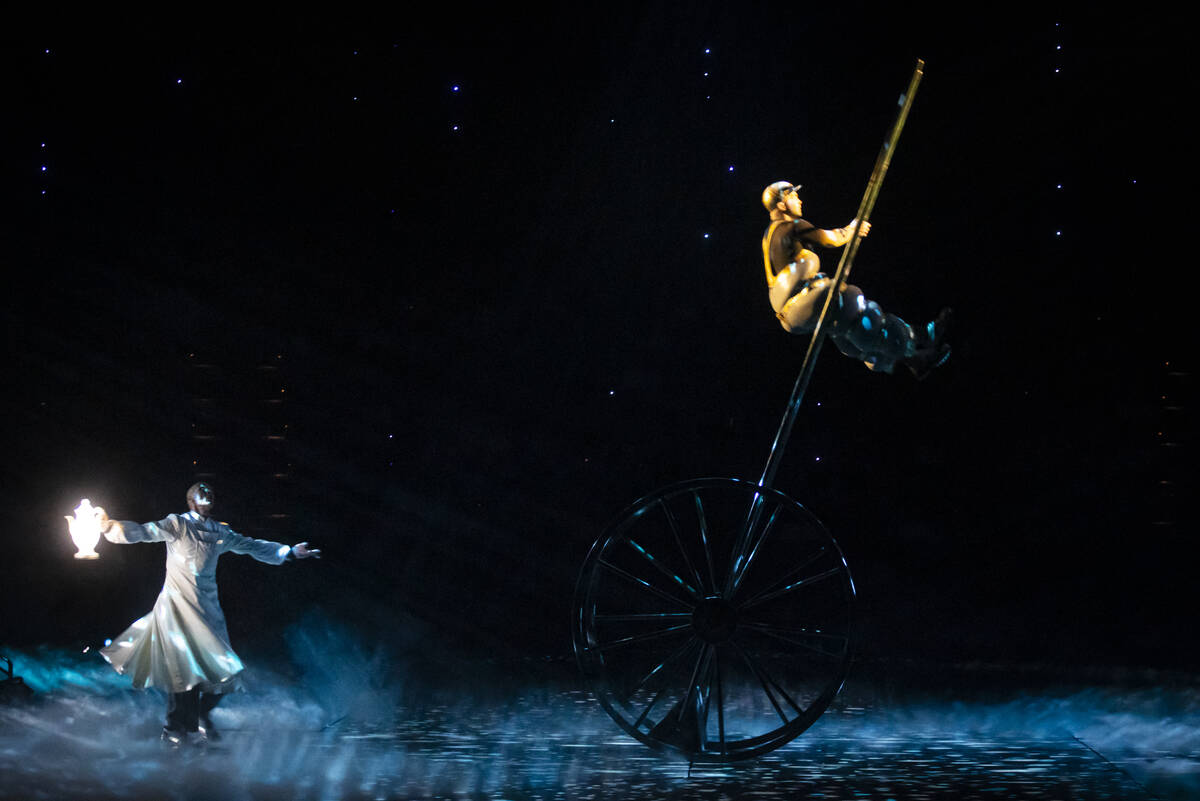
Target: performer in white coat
[{"x": 182, "y": 646}]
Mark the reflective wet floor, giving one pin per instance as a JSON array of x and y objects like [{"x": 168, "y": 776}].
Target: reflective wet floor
[{"x": 90, "y": 738}]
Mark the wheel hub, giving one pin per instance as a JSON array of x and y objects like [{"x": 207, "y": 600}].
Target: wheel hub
[{"x": 715, "y": 620}]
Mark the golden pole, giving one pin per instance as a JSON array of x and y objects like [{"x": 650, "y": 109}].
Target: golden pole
[{"x": 882, "y": 161}]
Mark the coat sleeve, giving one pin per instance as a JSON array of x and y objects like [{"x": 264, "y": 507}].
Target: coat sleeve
[
  {"x": 273, "y": 553},
  {"x": 124, "y": 532}
]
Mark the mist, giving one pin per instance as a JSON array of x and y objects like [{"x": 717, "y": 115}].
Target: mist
[{"x": 340, "y": 716}]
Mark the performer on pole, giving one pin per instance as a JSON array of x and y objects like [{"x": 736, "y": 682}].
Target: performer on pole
[
  {"x": 182, "y": 645},
  {"x": 797, "y": 289}
]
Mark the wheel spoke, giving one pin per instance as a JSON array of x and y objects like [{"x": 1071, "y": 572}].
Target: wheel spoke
[
  {"x": 766, "y": 689},
  {"x": 712, "y": 574},
  {"x": 720, "y": 698},
  {"x": 641, "y": 616},
  {"x": 699, "y": 668},
  {"x": 794, "y": 632},
  {"x": 649, "y": 706},
  {"x": 790, "y": 635},
  {"x": 663, "y": 568},
  {"x": 705, "y": 691},
  {"x": 662, "y": 689},
  {"x": 779, "y": 689},
  {"x": 678, "y": 652},
  {"x": 650, "y": 635},
  {"x": 643, "y": 583},
  {"x": 737, "y": 555},
  {"x": 765, "y": 679},
  {"x": 679, "y": 542},
  {"x": 795, "y": 585},
  {"x": 745, "y": 566},
  {"x": 795, "y": 571}
]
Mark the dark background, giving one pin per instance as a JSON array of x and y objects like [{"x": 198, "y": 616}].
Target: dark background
[{"x": 445, "y": 334}]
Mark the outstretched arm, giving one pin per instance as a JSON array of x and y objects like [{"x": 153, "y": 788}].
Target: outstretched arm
[
  {"x": 124, "y": 532},
  {"x": 273, "y": 553},
  {"x": 836, "y": 237}
]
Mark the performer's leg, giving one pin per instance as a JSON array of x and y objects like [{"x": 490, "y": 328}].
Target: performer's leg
[
  {"x": 208, "y": 702},
  {"x": 183, "y": 710},
  {"x": 799, "y": 315},
  {"x": 866, "y": 332},
  {"x": 861, "y": 330}
]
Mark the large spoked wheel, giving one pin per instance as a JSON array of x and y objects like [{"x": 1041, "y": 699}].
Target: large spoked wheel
[{"x": 712, "y": 618}]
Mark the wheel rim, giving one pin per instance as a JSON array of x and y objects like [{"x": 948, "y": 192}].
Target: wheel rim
[{"x": 712, "y": 618}]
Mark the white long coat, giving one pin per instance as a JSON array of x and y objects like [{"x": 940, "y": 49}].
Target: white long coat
[{"x": 183, "y": 642}]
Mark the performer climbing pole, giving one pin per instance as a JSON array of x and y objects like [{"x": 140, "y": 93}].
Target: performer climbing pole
[{"x": 797, "y": 288}]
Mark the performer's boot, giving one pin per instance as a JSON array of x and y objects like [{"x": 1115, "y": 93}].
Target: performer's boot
[
  {"x": 174, "y": 739},
  {"x": 930, "y": 352},
  {"x": 934, "y": 332},
  {"x": 926, "y": 360},
  {"x": 208, "y": 732}
]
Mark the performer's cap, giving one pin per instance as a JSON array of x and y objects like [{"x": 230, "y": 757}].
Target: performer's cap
[{"x": 773, "y": 193}]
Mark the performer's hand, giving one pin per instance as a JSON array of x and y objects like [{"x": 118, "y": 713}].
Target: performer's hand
[
  {"x": 301, "y": 551},
  {"x": 863, "y": 229},
  {"x": 102, "y": 519}
]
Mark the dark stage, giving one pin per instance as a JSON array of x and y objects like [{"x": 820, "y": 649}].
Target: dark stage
[{"x": 442, "y": 299}]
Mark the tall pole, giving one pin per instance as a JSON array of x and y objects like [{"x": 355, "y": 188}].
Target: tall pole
[{"x": 882, "y": 161}]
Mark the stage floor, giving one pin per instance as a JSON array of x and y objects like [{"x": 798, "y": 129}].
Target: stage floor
[{"x": 896, "y": 732}]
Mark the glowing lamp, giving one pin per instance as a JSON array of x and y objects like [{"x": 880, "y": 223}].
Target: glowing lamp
[{"x": 85, "y": 529}]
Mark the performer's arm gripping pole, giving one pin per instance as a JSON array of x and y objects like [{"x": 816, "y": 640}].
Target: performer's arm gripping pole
[{"x": 843, "y": 273}]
